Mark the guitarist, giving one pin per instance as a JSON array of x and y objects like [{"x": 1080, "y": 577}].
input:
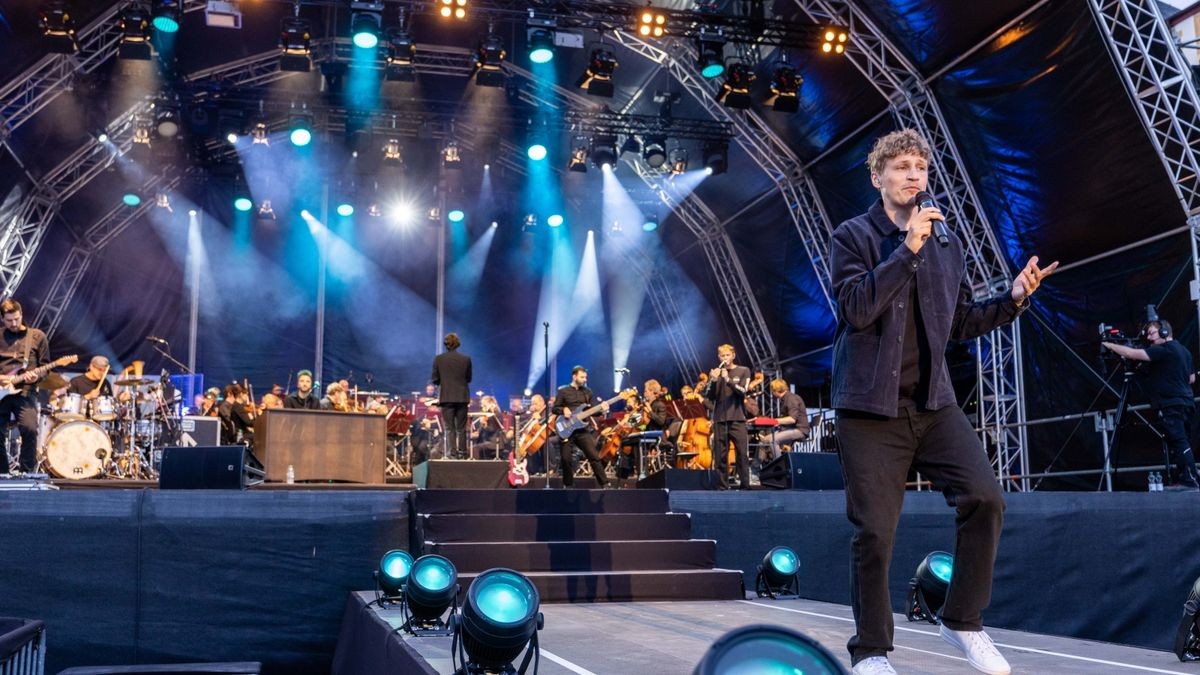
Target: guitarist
[
  {"x": 21, "y": 349},
  {"x": 570, "y": 399}
]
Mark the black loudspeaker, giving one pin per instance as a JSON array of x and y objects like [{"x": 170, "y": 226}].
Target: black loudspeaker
[
  {"x": 803, "y": 471},
  {"x": 216, "y": 467}
]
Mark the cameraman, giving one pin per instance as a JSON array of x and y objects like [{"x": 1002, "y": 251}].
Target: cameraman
[{"x": 1170, "y": 377}]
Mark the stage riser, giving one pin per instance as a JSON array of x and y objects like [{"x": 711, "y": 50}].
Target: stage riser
[
  {"x": 639, "y": 586},
  {"x": 553, "y": 527},
  {"x": 577, "y": 556},
  {"x": 540, "y": 501}
]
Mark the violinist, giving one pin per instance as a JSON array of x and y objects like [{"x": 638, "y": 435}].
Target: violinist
[
  {"x": 488, "y": 435},
  {"x": 273, "y": 399},
  {"x": 236, "y": 413},
  {"x": 336, "y": 398}
]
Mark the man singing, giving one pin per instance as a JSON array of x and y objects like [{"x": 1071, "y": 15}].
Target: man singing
[
  {"x": 726, "y": 388},
  {"x": 900, "y": 300}
]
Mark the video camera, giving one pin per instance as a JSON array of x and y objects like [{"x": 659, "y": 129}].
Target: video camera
[{"x": 1111, "y": 334}]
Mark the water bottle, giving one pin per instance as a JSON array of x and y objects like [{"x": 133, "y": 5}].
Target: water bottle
[
  {"x": 1158, "y": 483},
  {"x": 291, "y": 474},
  {"x": 1149, "y": 481}
]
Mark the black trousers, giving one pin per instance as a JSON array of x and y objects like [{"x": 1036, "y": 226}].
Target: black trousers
[
  {"x": 723, "y": 433},
  {"x": 24, "y": 410},
  {"x": 1176, "y": 422},
  {"x": 454, "y": 416},
  {"x": 585, "y": 440},
  {"x": 876, "y": 454}
]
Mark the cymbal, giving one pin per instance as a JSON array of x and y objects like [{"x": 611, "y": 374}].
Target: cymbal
[
  {"x": 134, "y": 382},
  {"x": 53, "y": 381}
]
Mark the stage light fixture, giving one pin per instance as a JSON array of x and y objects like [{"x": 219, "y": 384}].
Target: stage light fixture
[
  {"x": 366, "y": 19},
  {"x": 536, "y": 151},
  {"x": 163, "y": 201},
  {"x": 716, "y": 157},
  {"x": 710, "y": 54},
  {"x": 539, "y": 34},
  {"x": 489, "y": 62},
  {"x": 166, "y": 122},
  {"x": 651, "y": 22},
  {"x": 345, "y": 209},
  {"x": 453, "y": 8},
  {"x": 654, "y": 151},
  {"x": 767, "y": 649},
  {"x": 500, "y": 619},
  {"x": 266, "y": 211},
  {"x": 295, "y": 38},
  {"x": 735, "y": 90},
  {"x": 166, "y": 16},
  {"x": 58, "y": 27},
  {"x": 431, "y": 589},
  {"x": 579, "y": 155},
  {"x": 452, "y": 156},
  {"x": 604, "y": 151},
  {"x": 400, "y": 54},
  {"x": 834, "y": 41},
  {"x": 300, "y": 129},
  {"x": 259, "y": 135},
  {"x": 649, "y": 224},
  {"x": 222, "y": 14},
  {"x": 456, "y": 215},
  {"x": 392, "y": 152},
  {"x": 778, "y": 574},
  {"x": 927, "y": 589},
  {"x": 529, "y": 223},
  {"x": 597, "y": 79},
  {"x": 134, "y": 24},
  {"x": 1187, "y": 636},
  {"x": 242, "y": 203},
  {"x": 554, "y": 220},
  {"x": 102, "y": 136},
  {"x": 678, "y": 161},
  {"x": 785, "y": 86},
  {"x": 141, "y": 130},
  {"x": 131, "y": 199}
]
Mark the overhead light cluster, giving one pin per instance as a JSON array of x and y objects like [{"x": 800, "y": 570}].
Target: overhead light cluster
[
  {"x": 489, "y": 62},
  {"x": 58, "y": 26},
  {"x": 453, "y": 8},
  {"x": 366, "y": 23},
  {"x": 597, "y": 79},
  {"x": 295, "y": 37},
  {"x": 134, "y": 25},
  {"x": 834, "y": 41},
  {"x": 735, "y": 90},
  {"x": 651, "y": 23}
]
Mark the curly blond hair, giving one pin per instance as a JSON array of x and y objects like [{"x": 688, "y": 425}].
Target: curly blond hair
[{"x": 901, "y": 142}]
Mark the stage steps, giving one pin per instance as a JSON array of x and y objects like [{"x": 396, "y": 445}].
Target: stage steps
[{"x": 575, "y": 545}]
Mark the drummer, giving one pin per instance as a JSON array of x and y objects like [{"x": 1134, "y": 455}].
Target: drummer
[{"x": 94, "y": 382}]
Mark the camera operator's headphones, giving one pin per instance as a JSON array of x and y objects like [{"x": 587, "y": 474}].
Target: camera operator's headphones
[{"x": 1164, "y": 328}]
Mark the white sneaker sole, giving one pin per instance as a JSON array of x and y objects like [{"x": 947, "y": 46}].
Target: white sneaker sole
[{"x": 950, "y": 640}]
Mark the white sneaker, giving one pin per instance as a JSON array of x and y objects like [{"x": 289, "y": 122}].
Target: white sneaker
[
  {"x": 979, "y": 650},
  {"x": 875, "y": 665}
]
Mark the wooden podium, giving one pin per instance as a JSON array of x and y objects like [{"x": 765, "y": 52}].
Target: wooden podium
[{"x": 321, "y": 445}]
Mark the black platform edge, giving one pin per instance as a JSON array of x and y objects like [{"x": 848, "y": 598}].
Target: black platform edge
[
  {"x": 631, "y": 586},
  {"x": 679, "y": 479},
  {"x": 450, "y": 528},
  {"x": 540, "y": 501},
  {"x": 579, "y": 556}
]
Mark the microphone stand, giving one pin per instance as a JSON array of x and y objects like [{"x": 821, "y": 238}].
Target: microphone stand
[{"x": 549, "y": 403}]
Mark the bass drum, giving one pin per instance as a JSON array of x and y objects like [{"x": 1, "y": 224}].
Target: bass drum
[{"x": 77, "y": 450}]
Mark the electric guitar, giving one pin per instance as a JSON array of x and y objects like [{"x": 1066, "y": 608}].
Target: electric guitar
[
  {"x": 9, "y": 384},
  {"x": 518, "y": 475},
  {"x": 565, "y": 426}
]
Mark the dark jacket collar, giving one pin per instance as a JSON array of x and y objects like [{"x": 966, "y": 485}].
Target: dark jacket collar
[{"x": 880, "y": 220}]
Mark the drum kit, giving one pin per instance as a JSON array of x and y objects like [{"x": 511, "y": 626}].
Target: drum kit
[{"x": 108, "y": 436}]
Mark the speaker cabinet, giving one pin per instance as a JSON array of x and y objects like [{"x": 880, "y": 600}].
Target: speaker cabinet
[
  {"x": 213, "y": 467},
  {"x": 803, "y": 471}
]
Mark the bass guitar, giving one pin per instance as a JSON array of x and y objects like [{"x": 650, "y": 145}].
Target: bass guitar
[
  {"x": 518, "y": 475},
  {"x": 10, "y": 384},
  {"x": 565, "y": 426}
]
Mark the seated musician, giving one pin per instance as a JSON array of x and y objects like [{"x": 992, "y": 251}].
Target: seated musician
[
  {"x": 535, "y": 416},
  {"x": 304, "y": 398},
  {"x": 488, "y": 436},
  {"x": 273, "y": 400},
  {"x": 793, "y": 425},
  {"x": 237, "y": 416},
  {"x": 212, "y": 403},
  {"x": 336, "y": 398},
  {"x": 653, "y": 415},
  {"x": 94, "y": 383}
]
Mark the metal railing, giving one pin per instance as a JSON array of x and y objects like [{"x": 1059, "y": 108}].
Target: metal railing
[{"x": 24, "y": 647}]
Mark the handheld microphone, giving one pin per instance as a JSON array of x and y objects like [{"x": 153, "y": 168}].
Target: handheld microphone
[{"x": 925, "y": 201}]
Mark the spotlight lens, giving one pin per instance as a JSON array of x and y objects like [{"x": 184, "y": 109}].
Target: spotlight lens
[
  {"x": 537, "y": 152},
  {"x": 826, "y": 47},
  {"x": 767, "y": 650},
  {"x": 829, "y": 35},
  {"x": 433, "y": 577},
  {"x": 103, "y": 137},
  {"x": 301, "y": 137},
  {"x": 554, "y": 220},
  {"x": 606, "y": 167},
  {"x": 366, "y": 39},
  {"x": 541, "y": 55},
  {"x": 165, "y": 24},
  {"x": 649, "y": 226},
  {"x": 231, "y": 137},
  {"x": 713, "y": 70},
  {"x": 784, "y": 560},
  {"x": 503, "y": 601},
  {"x": 131, "y": 199},
  {"x": 396, "y": 565},
  {"x": 456, "y": 215},
  {"x": 242, "y": 204},
  {"x": 345, "y": 210},
  {"x": 942, "y": 566}
]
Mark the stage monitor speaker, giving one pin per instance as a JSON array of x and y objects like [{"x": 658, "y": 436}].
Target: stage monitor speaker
[
  {"x": 219, "y": 467},
  {"x": 803, "y": 471},
  {"x": 196, "y": 430}
]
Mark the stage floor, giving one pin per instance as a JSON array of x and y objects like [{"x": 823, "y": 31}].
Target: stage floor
[{"x": 669, "y": 637}]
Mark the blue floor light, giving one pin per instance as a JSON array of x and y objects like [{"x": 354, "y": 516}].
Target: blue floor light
[
  {"x": 432, "y": 588},
  {"x": 767, "y": 650},
  {"x": 778, "y": 574},
  {"x": 500, "y": 618},
  {"x": 928, "y": 588},
  {"x": 392, "y": 574}
]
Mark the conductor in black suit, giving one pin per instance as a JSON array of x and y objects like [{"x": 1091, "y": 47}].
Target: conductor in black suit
[
  {"x": 452, "y": 375},
  {"x": 726, "y": 388}
]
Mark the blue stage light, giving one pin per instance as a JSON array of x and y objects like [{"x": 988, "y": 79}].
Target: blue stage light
[
  {"x": 928, "y": 588},
  {"x": 541, "y": 46},
  {"x": 499, "y": 618},
  {"x": 393, "y": 571},
  {"x": 345, "y": 209},
  {"x": 243, "y": 204},
  {"x": 364, "y": 28},
  {"x": 767, "y": 650},
  {"x": 778, "y": 573},
  {"x": 554, "y": 220},
  {"x": 650, "y": 225},
  {"x": 131, "y": 199},
  {"x": 537, "y": 152},
  {"x": 166, "y": 16},
  {"x": 456, "y": 215},
  {"x": 431, "y": 588}
]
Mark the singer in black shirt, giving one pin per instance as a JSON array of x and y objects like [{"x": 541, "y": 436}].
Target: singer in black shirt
[
  {"x": 569, "y": 401},
  {"x": 726, "y": 388},
  {"x": 21, "y": 350}
]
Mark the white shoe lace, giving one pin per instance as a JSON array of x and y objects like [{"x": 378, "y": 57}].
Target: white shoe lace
[
  {"x": 980, "y": 642},
  {"x": 876, "y": 665}
]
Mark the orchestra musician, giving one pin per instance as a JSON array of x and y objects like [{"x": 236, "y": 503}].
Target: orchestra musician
[
  {"x": 93, "y": 383},
  {"x": 273, "y": 400},
  {"x": 489, "y": 437},
  {"x": 537, "y": 414},
  {"x": 726, "y": 389},
  {"x": 237, "y": 416},
  {"x": 303, "y": 398},
  {"x": 21, "y": 349},
  {"x": 452, "y": 374},
  {"x": 336, "y": 398},
  {"x": 793, "y": 426},
  {"x": 569, "y": 400}
]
